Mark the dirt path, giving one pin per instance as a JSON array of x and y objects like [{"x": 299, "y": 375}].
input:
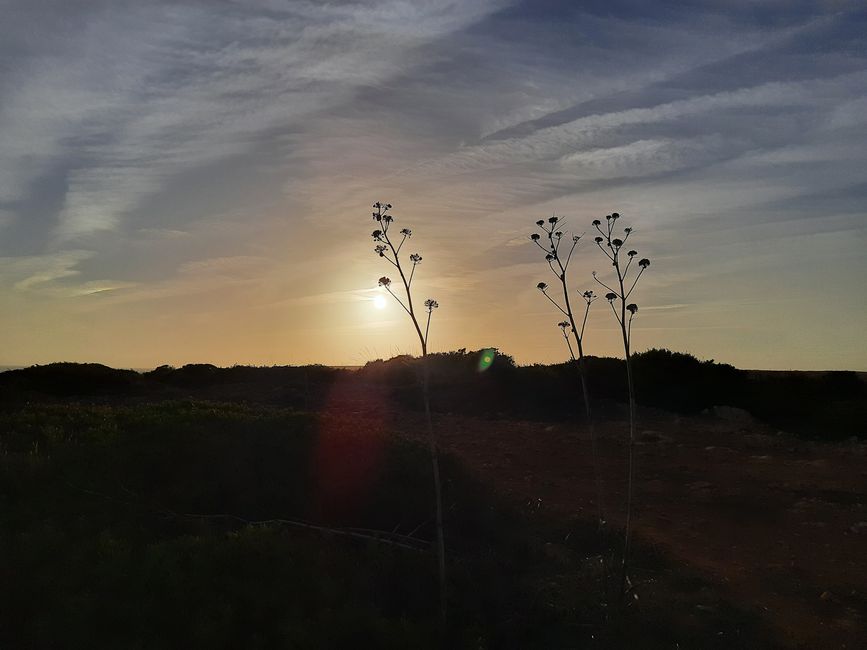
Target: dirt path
[{"x": 778, "y": 524}]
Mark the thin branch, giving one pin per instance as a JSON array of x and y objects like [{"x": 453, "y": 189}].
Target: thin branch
[
  {"x": 607, "y": 254},
  {"x": 634, "y": 283},
  {"x": 584, "y": 323},
  {"x": 536, "y": 241},
  {"x": 384, "y": 537},
  {"x": 603, "y": 284},
  {"x": 571, "y": 250},
  {"x": 569, "y": 343},
  {"x": 616, "y": 315},
  {"x": 399, "y": 302},
  {"x": 554, "y": 302}
]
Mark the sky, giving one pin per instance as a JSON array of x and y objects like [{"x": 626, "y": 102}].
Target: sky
[{"x": 192, "y": 181}]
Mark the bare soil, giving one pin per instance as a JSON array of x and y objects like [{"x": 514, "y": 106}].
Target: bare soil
[{"x": 776, "y": 524}]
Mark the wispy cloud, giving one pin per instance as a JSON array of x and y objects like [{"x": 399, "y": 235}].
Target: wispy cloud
[{"x": 209, "y": 164}]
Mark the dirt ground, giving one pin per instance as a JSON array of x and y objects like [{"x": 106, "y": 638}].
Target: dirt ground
[{"x": 776, "y": 523}]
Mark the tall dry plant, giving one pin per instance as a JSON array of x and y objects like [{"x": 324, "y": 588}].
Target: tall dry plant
[
  {"x": 553, "y": 239},
  {"x": 389, "y": 249},
  {"x": 618, "y": 296}
]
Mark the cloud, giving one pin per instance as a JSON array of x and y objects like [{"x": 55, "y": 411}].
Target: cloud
[
  {"x": 149, "y": 91},
  {"x": 199, "y": 161}
]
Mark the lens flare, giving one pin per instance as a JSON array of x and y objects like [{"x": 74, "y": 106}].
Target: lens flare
[
  {"x": 486, "y": 358},
  {"x": 379, "y": 302}
]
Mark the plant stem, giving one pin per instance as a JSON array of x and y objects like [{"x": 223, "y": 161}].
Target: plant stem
[
  {"x": 630, "y": 471},
  {"x": 435, "y": 465},
  {"x": 432, "y": 442},
  {"x": 582, "y": 378}
]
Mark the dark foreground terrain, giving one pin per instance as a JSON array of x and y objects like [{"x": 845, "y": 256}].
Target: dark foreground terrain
[{"x": 292, "y": 508}]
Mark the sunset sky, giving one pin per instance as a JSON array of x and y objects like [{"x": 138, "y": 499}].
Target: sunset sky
[{"x": 192, "y": 181}]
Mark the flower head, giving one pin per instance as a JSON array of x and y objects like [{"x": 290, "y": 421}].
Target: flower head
[
  {"x": 596, "y": 222},
  {"x": 406, "y": 232},
  {"x": 627, "y": 230},
  {"x": 644, "y": 263},
  {"x": 632, "y": 308},
  {"x": 632, "y": 253},
  {"x": 376, "y": 234},
  {"x": 431, "y": 304},
  {"x": 542, "y": 286},
  {"x": 379, "y": 249},
  {"x": 558, "y": 234},
  {"x": 540, "y": 223},
  {"x": 615, "y": 215},
  {"x": 610, "y": 296},
  {"x": 415, "y": 258},
  {"x": 553, "y": 219},
  {"x": 598, "y": 240},
  {"x": 575, "y": 238},
  {"x": 535, "y": 236},
  {"x": 384, "y": 282},
  {"x": 588, "y": 295},
  {"x": 563, "y": 324},
  {"x": 617, "y": 243},
  {"x": 549, "y": 257}
]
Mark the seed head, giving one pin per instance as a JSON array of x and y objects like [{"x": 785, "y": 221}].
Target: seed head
[
  {"x": 542, "y": 286},
  {"x": 415, "y": 258},
  {"x": 632, "y": 253},
  {"x": 563, "y": 324},
  {"x": 535, "y": 236},
  {"x": 596, "y": 222},
  {"x": 384, "y": 282},
  {"x": 644, "y": 263},
  {"x": 379, "y": 249},
  {"x": 598, "y": 240},
  {"x": 610, "y": 296},
  {"x": 632, "y": 308},
  {"x": 376, "y": 234},
  {"x": 540, "y": 223},
  {"x": 406, "y": 232},
  {"x": 431, "y": 304}
]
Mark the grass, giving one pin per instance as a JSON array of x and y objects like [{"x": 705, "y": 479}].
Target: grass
[{"x": 97, "y": 549}]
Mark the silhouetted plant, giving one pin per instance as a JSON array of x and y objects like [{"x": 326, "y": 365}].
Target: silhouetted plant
[
  {"x": 553, "y": 235},
  {"x": 390, "y": 251},
  {"x": 617, "y": 297}
]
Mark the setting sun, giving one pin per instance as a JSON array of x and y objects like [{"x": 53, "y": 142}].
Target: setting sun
[{"x": 379, "y": 302}]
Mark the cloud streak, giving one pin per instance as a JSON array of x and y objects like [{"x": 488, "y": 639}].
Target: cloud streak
[{"x": 193, "y": 162}]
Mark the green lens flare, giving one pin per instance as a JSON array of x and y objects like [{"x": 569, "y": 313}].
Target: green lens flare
[{"x": 486, "y": 358}]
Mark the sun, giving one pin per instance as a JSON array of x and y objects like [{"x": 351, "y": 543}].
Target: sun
[{"x": 379, "y": 302}]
